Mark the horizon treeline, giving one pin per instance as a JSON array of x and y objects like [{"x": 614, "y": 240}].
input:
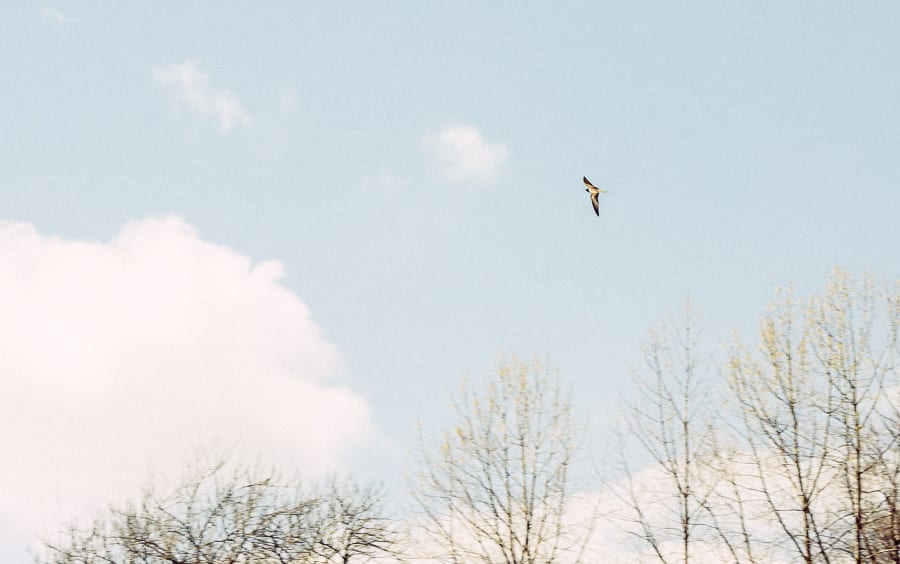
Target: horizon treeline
[{"x": 785, "y": 447}]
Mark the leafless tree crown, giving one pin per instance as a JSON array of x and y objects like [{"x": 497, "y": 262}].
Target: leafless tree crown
[
  {"x": 804, "y": 464},
  {"x": 495, "y": 487},
  {"x": 219, "y": 516}
]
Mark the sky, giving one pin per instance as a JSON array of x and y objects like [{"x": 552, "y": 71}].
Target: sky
[{"x": 292, "y": 227}]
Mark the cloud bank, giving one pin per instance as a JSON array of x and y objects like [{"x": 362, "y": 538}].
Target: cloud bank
[
  {"x": 192, "y": 86},
  {"x": 463, "y": 154},
  {"x": 123, "y": 356}
]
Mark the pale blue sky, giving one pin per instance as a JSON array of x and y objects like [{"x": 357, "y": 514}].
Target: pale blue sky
[{"x": 745, "y": 145}]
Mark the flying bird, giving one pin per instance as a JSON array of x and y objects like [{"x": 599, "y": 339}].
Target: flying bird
[{"x": 594, "y": 192}]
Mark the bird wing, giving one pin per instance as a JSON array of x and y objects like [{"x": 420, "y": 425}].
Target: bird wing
[
  {"x": 595, "y": 203},
  {"x": 588, "y": 182}
]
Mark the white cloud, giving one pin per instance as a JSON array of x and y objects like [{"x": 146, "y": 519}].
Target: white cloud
[
  {"x": 193, "y": 87},
  {"x": 463, "y": 154},
  {"x": 118, "y": 357},
  {"x": 54, "y": 16},
  {"x": 617, "y": 537}
]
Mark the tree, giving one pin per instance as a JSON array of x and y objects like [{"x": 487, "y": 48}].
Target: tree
[
  {"x": 818, "y": 421},
  {"x": 349, "y": 524},
  {"x": 241, "y": 516},
  {"x": 672, "y": 422},
  {"x": 787, "y": 439},
  {"x": 496, "y": 486},
  {"x": 804, "y": 464}
]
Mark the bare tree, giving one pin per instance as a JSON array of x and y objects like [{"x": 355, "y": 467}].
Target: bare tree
[
  {"x": 787, "y": 436},
  {"x": 672, "y": 422},
  {"x": 350, "y": 525},
  {"x": 815, "y": 408},
  {"x": 856, "y": 352},
  {"x": 240, "y": 516},
  {"x": 804, "y": 463},
  {"x": 884, "y": 521},
  {"x": 496, "y": 486}
]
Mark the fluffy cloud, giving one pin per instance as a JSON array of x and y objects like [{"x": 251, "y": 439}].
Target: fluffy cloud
[
  {"x": 120, "y": 357},
  {"x": 193, "y": 87},
  {"x": 463, "y": 154}
]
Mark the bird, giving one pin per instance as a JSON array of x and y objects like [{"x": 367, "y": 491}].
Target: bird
[{"x": 594, "y": 192}]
